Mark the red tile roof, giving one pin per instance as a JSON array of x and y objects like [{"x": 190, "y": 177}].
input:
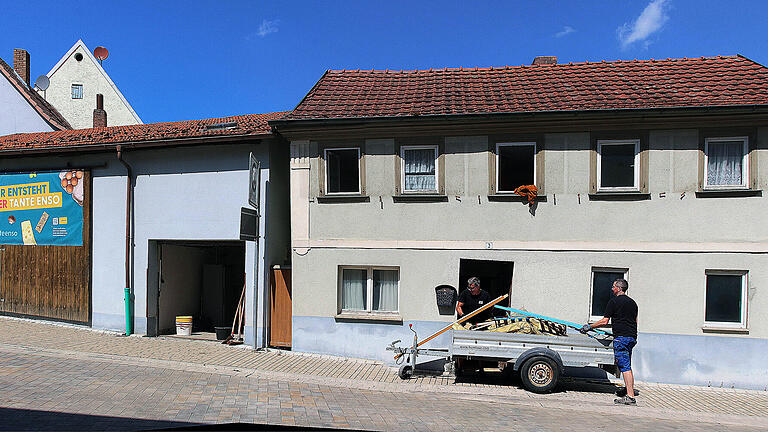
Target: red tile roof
[
  {"x": 671, "y": 83},
  {"x": 252, "y": 124},
  {"x": 46, "y": 110}
]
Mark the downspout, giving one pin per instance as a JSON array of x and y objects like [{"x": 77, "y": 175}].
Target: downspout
[{"x": 128, "y": 243}]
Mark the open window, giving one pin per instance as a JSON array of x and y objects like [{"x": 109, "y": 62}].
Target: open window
[
  {"x": 342, "y": 170},
  {"x": 618, "y": 165},
  {"x": 726, "y": 163},
  {"x": 371, "y": 290},
  {"x": 726, "y": 299},
  {"x": 602, "y": 284},
  {"x": 515, "y": 165}
]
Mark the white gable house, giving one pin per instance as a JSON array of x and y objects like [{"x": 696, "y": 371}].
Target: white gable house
[{"x": 74, "y": 83}]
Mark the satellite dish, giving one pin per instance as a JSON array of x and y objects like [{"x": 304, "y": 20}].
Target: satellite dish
[
  {"x": 42, "y": 82},
  {"x": 101, "y": 53}
]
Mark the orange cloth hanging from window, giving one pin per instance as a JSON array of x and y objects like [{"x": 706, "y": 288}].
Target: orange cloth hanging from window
[{"x": 528, "y": 191}]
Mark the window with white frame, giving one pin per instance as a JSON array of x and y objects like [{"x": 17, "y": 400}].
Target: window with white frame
[
  {"x": 602, "y": 284},
  {"x": 725, "y": 162},
  {"x": 368, "y": 289},
  {"x": 515, "y": 165},
  {"x": 419, "y": 168},
  {"x": 726, "y": 298},
  {"x": 77, "y": 91},
  {"x": 618, "y": 165},
  {"x": 342, "y": 170}
]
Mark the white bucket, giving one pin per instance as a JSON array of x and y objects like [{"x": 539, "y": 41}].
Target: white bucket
[{"x": 184, "y": 325}]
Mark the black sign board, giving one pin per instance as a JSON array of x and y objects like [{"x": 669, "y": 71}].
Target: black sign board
[
  {"x": 253, "y": 181},
  {"x": 249, "y": 224}
]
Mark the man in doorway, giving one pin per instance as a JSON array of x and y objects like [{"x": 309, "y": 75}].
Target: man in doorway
[
  {"x": 621, "y": 311},
  {"x": 472, "y": 299}
]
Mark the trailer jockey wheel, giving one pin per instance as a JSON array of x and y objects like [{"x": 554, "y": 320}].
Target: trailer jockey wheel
[
  {"x": 539, "y": 374},
  {"x": 405, "y": 372}
]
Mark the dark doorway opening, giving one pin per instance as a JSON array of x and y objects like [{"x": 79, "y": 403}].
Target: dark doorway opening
[
  {"x": 495, "y": 277},
  {"x": 203, "y": 279}
]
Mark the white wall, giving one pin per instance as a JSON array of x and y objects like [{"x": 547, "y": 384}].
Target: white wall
[{"x": 16, "y": 114}]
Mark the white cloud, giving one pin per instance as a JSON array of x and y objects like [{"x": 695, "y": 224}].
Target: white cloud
[
  {"x": 565, "y": 31},
  {"x": 650, "y": 20},
  {"x": 268, "y": 27}
]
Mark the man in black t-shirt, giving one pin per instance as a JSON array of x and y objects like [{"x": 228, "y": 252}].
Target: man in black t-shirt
[
  {"x": 621, "y": 311},
  {"x": 472, "y": 299}
]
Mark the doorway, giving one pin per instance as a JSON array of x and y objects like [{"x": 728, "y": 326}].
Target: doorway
[
  {"x": 495, "y": 277},
  {"x": 202, "y": 279}
]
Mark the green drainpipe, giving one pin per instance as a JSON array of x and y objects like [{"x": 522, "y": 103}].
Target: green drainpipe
[{"x": 128, "y": 312}]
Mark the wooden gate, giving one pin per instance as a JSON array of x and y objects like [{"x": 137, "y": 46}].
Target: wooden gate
[
  {"x": 280, "y": 311},
  {"x": 51, "y": 282}
]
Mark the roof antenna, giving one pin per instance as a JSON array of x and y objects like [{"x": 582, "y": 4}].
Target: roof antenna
[{"x": 101, "y": 53}]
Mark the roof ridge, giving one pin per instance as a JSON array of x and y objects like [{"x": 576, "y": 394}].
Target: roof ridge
[
  {"x": 522, "y": 66},
  {"x": 253, "y": 124}
]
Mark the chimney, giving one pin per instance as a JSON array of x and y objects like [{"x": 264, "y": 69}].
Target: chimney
[
  {"x": 544, "y": 60},
  {"x": 21, "y": 64},
  {"x": 99, "y": 115}
]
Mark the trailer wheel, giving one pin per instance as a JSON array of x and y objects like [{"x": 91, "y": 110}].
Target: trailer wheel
[
  {"x": 539, "y": 374},
  {"x": 405, "y": 372}
]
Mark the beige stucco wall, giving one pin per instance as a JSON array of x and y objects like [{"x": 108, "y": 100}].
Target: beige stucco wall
[
  {"x": 667, "y": 242},
  {"x": 568, "y": 214},
  {"x": 79, "y": 112},
  {"x": 668, "y": 287}
]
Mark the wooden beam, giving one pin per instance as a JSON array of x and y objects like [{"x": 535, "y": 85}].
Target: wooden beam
[{"x": 459, "y": 321}]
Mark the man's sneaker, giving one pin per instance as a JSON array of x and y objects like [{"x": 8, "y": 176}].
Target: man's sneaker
[{"x": 626, "y": 400}]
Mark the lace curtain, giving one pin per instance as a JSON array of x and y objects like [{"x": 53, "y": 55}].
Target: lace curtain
[
  {"x": 353, "y": 289},
  {"x": 724, "y": 163},
  {"x": 385, "y": 290},
  {"x": 419, "y": 169}
]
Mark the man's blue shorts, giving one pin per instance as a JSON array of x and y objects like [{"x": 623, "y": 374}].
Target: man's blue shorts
[{"x": 622, "y": 352}]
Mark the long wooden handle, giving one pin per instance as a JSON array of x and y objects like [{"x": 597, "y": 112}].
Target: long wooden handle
[
  {"x": 459, "y": 321},
  {"x": 239, "y": 311}
]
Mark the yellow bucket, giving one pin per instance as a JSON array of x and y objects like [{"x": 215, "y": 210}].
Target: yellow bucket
[{"x": 184, "y": 325}]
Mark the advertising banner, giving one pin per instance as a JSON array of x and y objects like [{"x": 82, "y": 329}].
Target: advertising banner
[{"x": 42, "y": 208}]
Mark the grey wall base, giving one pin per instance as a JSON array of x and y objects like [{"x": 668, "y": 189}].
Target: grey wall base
[
  {"x": 114, "y": 322},
  {"x": 720, "y": 361},
  {"x": 324, "y": 335},
  {"x": 716, "y": 361}
]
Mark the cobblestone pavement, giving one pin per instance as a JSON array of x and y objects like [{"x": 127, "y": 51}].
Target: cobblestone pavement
[{"x": 54, "y": 375}]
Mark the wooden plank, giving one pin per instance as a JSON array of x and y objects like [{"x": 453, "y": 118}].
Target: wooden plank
[
  {"x": 280, "y": 308},
  {"x": 459, "y": 321}
]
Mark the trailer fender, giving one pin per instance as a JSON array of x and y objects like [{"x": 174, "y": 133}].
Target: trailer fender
[{"x": 538, "y": 351}]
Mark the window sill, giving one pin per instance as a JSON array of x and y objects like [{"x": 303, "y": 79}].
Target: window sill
[
  {"x": 352, "y": 198},
  {"x": 369, "y": 317},
  {"x": 619, "y": 196},
  {"x": 714, "y": 328},
  {"x": 510, "y": 197},
  {"x": 420, "y": 198},
  {"x": 728, "y": 193}
]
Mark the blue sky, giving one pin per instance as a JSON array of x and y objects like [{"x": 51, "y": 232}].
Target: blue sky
[{"x": 179, "y": 60}]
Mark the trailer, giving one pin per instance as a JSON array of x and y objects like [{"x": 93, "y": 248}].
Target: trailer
[{"x": 539, "y": 359}]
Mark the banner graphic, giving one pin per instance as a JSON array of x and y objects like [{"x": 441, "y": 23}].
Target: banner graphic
[{"x": 42, "y": 208}]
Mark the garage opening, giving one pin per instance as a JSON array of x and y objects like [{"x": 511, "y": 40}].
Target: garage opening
[
  {"x": 495, "y": 277},
  {"x": 202, "y": 279}
]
